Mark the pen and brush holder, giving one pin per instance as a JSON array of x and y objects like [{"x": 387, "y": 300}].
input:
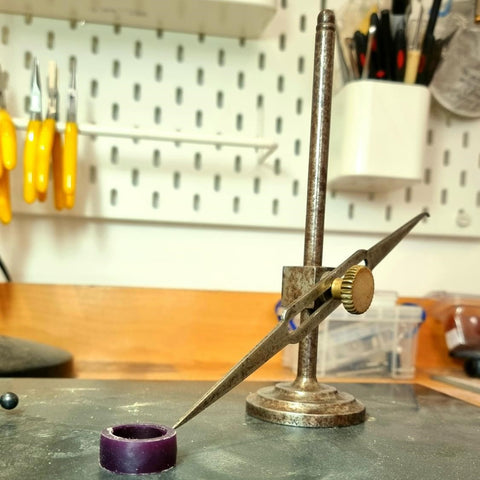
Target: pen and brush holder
[{"x": 378, "y": 136}]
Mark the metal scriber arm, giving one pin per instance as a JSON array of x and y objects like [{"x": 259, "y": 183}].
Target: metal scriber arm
[{"x": 281, "y": 336}]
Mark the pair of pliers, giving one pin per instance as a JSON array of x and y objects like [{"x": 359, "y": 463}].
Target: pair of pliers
[{"x": 8, "y": 152}]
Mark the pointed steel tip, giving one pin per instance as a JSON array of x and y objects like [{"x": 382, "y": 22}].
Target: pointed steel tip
[
  {"x": 36, "y": 70},
  {"x": 178, "y": 424},
  {"x": 36, "y": 67}
]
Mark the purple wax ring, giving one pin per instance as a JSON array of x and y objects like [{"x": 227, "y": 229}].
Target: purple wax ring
[{"x": 138, "y": 448}]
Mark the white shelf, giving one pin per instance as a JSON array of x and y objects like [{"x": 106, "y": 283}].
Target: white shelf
[{"x": 229, "y": 18}]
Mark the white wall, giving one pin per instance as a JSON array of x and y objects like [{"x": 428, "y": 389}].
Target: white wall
[{"x": 78, "y": 251}]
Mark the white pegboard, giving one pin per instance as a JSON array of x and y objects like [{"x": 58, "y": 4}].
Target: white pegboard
[{"x": 200, "y": 84}]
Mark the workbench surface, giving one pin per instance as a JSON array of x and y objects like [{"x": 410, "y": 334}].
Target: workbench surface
[{"x": 412, "y": 432}]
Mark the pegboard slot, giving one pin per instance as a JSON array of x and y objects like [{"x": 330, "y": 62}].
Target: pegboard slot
[
  {"x": 156, "y": 158},
  {"x": 113, "y": 197},
  {"x": 275, "y": 206},
  {"x": 236, "y": 204},
  {"x": 446, "y": 158},
  {"x": 177, "y": 176},
  {"x": 155, "y": 200},
  {"x": 114, "y": 155},
  {"x": 93, "y": 174},
  {"x": 196, "y": 202},
  {"x": 295, "y": 188},
  {"x": 116, "y": 69},
  {"x": 388, "y": 213},
  {"x": 135, "y": 177},
  {"x": 217, "y": 182},
  {"x": 197, "y": 161},
  {"x": 444, "y": 196},
  {"x": 301, "y": 64},
  {"x": 408, "y": 195}
]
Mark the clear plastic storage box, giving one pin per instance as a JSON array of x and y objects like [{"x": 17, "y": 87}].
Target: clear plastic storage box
[{"x": 379, "y": 343}]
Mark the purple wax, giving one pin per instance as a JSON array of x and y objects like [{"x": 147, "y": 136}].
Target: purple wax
[{"x": 138, "y": 448}]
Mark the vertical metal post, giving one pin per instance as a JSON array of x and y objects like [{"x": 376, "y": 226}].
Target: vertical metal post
[
  {"x": 304, "y": 402},
  {"x": 317, "y": 177}
]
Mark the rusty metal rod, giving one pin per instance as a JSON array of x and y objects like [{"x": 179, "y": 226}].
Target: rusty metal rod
[{"x": 317, "y": 176}]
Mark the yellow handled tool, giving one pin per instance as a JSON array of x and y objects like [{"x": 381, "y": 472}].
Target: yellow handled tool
[
  {"x": 57, "y": 166},
  {"x": 47, "y": 133},
  {"x": 5, "y": 205},
  {"x": 70, "y": 158},
  {"x": 44, "y": 153},
  {"x": 8, "y": 140},
  {"x": 70, "y": 145},
  {"x": 30, "y": 160},
  {"x": 8, "y": 136},
  {"x": 31, "y": 140}
]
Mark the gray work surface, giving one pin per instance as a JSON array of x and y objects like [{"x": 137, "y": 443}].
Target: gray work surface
[{"x": 411, "y": 433}]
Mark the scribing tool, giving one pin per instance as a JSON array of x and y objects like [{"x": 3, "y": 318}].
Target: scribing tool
[{"x": 311, "y": 290}]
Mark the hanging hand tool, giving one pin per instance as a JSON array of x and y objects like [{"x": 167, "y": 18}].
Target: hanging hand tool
[
  {"x": 8, "y": 138},
  {"x": 49, "y": 147},
  {"x": 70, "y": 143},
  {"x": 31, "y": 140},
  {"x": 8, "y": 152}
]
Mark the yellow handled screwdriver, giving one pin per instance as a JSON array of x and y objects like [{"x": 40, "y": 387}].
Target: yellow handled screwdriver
[
  {"x": 31, "y": 140},
  {"x": 70, "y": 143}
]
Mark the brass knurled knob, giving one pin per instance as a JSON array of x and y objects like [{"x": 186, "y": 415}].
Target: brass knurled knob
[{"x": 355, "y": 289}]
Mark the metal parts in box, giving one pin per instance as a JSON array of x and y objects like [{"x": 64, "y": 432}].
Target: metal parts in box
[{"x": 380, "y": 343}]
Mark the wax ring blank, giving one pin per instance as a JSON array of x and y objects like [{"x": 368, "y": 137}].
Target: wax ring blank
[{"x": 138, "y": 448}]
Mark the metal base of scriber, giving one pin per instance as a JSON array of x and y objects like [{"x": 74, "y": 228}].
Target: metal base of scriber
[
  {"x": 305, "y": 402},
  {"x": 323, "y": 407}
]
